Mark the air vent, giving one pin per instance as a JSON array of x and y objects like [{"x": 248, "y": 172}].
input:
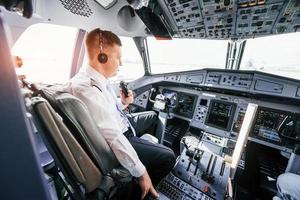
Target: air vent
[{"x": 77, "y": 7}]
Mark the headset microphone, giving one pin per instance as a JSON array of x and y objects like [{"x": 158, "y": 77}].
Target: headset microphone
[{"x": 102, "y": 57}]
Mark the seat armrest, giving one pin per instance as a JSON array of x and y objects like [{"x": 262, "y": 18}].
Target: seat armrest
[
  {"x": 121, "y": 175},
  {"x": 110, "y": 183}
]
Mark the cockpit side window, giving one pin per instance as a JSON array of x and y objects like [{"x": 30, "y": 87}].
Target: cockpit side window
[
  {"x": 46, "y": 51},
  {"x": 132, "y": 64}
]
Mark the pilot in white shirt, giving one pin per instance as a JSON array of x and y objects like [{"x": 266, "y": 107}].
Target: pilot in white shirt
[
  {"x": 92, "y": 88},
  {"x": 91, "y": 85}
]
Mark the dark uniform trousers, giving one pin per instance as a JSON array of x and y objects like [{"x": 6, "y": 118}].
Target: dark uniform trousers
[{"x": 158, "y": 159}]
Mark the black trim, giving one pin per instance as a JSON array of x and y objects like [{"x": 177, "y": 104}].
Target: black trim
[{"x": 94, "y": 84}]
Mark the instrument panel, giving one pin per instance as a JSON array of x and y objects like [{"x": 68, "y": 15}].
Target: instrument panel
[
  {"x": 186, "y": 105},
  {"x": 247, "y": 82},
  {"x": 266, "y": 124},
  {"x": 222, "y": 115},
  {"x": 216, "y": 101},
  {"x": 179, "y": 103}
]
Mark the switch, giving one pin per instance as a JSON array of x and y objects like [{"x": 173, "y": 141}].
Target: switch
[
  {"x": 226, "y": 2},
  {"x": 206, "y": 189},
  {"x": 190, "y": 179}
]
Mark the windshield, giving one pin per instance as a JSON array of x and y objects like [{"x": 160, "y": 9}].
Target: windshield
[
  {"x": 186, "y": 54},
  {"x": 274, "y": 54},
  {"x": 277, "y": 54}
]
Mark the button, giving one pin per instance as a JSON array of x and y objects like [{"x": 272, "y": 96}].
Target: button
[{"x": 206, "y": 189}]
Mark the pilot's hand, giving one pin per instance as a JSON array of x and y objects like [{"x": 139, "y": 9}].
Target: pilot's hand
[
  {"x": 126, "y": 100},
  {"x": 146, "y": 186}
]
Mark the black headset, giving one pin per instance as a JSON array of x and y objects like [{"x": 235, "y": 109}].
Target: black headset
[{"x": 102, "y": 57}]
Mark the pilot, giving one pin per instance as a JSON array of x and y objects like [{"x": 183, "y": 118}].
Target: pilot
[{"x": 142, "y": 158}]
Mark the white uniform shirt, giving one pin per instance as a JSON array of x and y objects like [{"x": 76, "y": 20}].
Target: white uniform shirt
[{"x": 102, "y": 106}]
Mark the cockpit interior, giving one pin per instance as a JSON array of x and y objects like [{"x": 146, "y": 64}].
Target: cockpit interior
[{"x": 234, "y": 130}]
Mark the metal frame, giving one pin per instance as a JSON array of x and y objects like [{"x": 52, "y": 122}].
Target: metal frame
[
  {"x": 235, "y": 52},
  {"x": 78, "y": 54},
  {"x": 21, "y": 173},
  {"x": 142, "y": 45}
]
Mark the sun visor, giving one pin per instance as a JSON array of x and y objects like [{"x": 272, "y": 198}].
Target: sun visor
[{"x": 154, "y": 23}]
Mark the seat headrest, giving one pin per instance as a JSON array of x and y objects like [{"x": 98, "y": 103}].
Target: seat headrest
[{"x": 78, "y": 119}]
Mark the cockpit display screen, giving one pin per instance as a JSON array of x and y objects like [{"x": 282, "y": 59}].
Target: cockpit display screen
[
  {"x": 267, "y": 122},
  {"x": 186, "y": 105},
  {"x": 171, "y": 97},
  {"x": 220, "y": 114}
]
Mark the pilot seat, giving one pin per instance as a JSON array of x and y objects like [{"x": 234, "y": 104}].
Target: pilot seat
[{"x": 81, "y": 153}]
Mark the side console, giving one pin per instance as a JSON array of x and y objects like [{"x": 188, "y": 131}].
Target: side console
[{"x": 198, "y": 174}]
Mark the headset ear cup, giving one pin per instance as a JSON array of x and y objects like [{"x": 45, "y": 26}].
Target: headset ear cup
[{"x": 102, "y": 58}]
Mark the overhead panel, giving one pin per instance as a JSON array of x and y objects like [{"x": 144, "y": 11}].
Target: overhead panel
[
  {"x": 187, "y": 16},
  {"x": 219, "y": 18},
  {"x": 257, "y": 19},
  {"x": 289, "y": 20},
  {"x": 227, "y": 19}
]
